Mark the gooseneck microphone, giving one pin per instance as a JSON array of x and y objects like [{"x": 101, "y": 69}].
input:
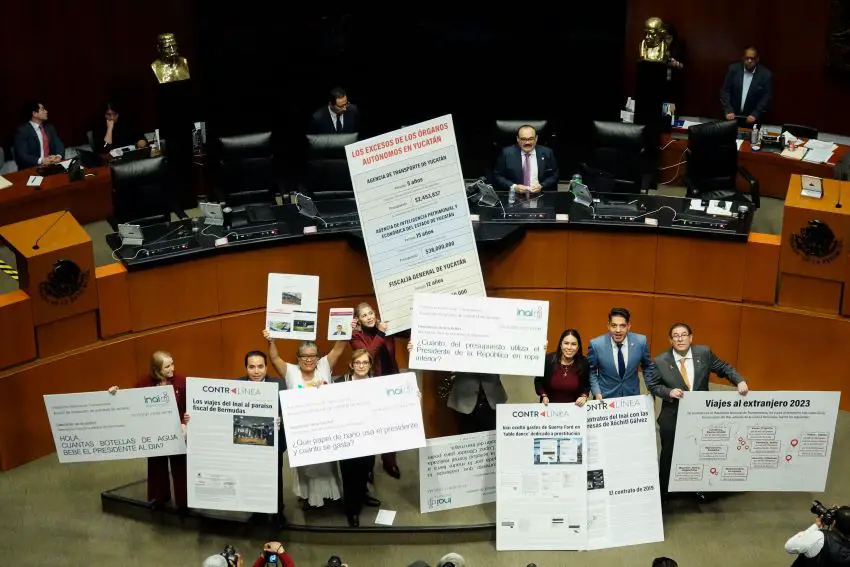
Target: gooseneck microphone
[
  {"x": 59, "y": 218},
  {"x": 838, "y": 204}
]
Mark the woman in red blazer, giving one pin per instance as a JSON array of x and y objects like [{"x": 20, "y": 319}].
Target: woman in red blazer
[
  {"x": 369, "y": 334},
  {"x": 159, "y": 485}
]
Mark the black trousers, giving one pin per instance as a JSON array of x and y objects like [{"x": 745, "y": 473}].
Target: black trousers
[
  {"x": 667, "y": 426},
  {"x": 482, "y": 418},
  {"x": 355, "y": 475}
]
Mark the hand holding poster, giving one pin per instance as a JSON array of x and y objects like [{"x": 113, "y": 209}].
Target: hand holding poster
[
  {"x": 232, "y": 450},
  {"x": 291, "y": 305},
  {"x": 414, "y": 216},
  {"x": 352, "y": 419},
  {"x": 479, "y": 334},
  {"x": 130, "y": 424},
  {"x": 765, "y": 441},
  {"x": 339, "y": 324},
  {"x": 457, "y": 471}
]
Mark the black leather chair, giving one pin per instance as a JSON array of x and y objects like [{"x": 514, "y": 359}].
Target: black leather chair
[
  {"x": 713, "y": 168},
  {"x": 250, "y": 207},
  {"x": 617, "y": 162},
  {"x": 506, "y": 131},
  {"x": 245, "y": 163},
  {"x": 801, "y": 131},
  {"x": 143, "y": 188},
  {"x": 326, "y": 173}
]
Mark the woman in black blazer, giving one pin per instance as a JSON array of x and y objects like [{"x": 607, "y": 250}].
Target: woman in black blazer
[
  {"x": 566, "y": 375},
  {"x": 110, "y": 132}
]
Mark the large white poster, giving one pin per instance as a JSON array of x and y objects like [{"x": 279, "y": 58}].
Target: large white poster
[
  {"x": 623, "y": 499},
  {"x": 352, "y": 419},
  {"x": 414, "y": 216},
  {"x": 291, "y": 305},
  {"x": 765, "y": 441},
  {"x": 479, "y": 334},
  {"x": 457, "y": 471},
  {"x": 232, "y": 445},
  {"x": 130, "y": 424},
  {"x": 541, "y": 477}
]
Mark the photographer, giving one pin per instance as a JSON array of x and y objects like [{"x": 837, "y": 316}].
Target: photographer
[
  {"x": 274, "y": 554},
  {"x": 825, "y": 542}
]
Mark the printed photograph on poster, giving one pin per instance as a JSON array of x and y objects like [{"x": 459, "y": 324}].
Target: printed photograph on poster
[
  {"x": 253, "y": 430},
  {"x": 414, "y": 216},
  {"x": 563, "y": 451},
  {"x": 339, "y": 324},
  {"x": 457, "y": 471},
  {"x": 770, "y": 441},
  {"x": 291, "y": 305},
  {"x": 491, "y": 335}
]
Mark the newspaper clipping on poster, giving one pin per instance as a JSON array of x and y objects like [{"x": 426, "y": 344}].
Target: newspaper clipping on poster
[
  {"x": 352, "y": 419},
  {"x": 339, "y": 323},
  {"x": 130, "y": 424},
  {"x": 232, "y": 445},
  {"x": 291, "y": 306},
  {"x": 457, "y": 471},
  {"x": 479, "y": 334},
  {"x": 541, "y": 477},
  {"x": 414, "y": 216},
  {"x": 764, "y": 441},
  {"x": 623, "y": 499}
]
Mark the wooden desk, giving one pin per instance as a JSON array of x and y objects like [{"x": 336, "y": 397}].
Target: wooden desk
[
  {"x": 772, "y": 171},
  {"x": 88, "y": 200}
]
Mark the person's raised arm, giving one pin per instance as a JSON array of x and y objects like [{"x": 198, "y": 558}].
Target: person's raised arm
[
  {"x": 358, "y": 340},
  {"x": 274, "y": 355},
  {"x": 336, "y": 352}
]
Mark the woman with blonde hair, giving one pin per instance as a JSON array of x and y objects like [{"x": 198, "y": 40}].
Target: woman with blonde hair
[{"x": 159, "y": 486}]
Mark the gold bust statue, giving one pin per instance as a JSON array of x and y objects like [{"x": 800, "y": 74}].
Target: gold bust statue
[
  {"x": 655, "y": 41},
  {"x": 170, "y": 67}
]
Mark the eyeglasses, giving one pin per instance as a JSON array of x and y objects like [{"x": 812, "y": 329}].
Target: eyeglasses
[
  {"x": 679, "y": 337},
  {"x": 361, "y": 363},
  {"x": 527, "y": 139},
  {"x": 308, "y": 356}
]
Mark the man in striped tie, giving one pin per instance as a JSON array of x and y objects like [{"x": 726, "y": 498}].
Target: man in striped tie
[
  {"x": 680, "y": 369},
  {"x": 36, "y": 142}
]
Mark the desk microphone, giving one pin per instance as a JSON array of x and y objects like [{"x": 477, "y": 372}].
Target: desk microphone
[
  {"x": 35, "y": 244},
  {"x": 838, "y": 202}
]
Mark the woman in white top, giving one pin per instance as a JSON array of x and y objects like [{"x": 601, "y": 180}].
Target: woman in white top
[{"x": 313, "y": 484}]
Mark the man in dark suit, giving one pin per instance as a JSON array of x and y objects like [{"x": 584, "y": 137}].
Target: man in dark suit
[
  {"x": 683, "y": 368},
  {"x": 615, "y": 357},
  {"x": 526, "y": 167},
  {"x": 747, "y": 88},
  {"x": 36, "y": 142},
  {"x": 256, "y": 370},
  {"x": 474, "y": 398},
  {"x": 338, "y": 117}
]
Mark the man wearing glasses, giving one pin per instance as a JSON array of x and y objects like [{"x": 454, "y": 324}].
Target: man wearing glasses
[
  {"x": 747, "y": 89},
  {"x": 526, "y": 168},
  {"x": 683, "y": 368},
  {"x": 338, "y": 117}
]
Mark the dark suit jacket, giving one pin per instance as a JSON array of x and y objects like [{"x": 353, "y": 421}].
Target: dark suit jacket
[
  {"x": 321, "y": 122},
  {"x": 604, "y": 377},
  {"x": 465, "y": 386},
  {"x": 28, "y": 149},
  {"x": 380, "y": 346},
  {"x": 508, "y": 169},
  {"x": 758, "y": 97},
  {"x": 665, "y": 376},
  {"x": 281, "y": 385},
  {"x": 553, "y": 359},
  {"x": 122, "y": 135},
  {"x": 179, "y": 384}
]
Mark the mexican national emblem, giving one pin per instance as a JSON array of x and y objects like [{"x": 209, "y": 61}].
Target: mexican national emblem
[
  {"x": 816, "y": 243},
  {"x": 64, "y": 284}
]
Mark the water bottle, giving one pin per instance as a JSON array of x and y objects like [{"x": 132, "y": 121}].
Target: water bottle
[
  {"x": 754, "y": 137},
  {"x": 512, "y": 195}
]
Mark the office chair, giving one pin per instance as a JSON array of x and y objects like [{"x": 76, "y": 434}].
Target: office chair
[
  {"x": 617, "y": 162},
  {"x": 143, "y": 188},
  {"x": 245, "y": 162},
  {"x": 506, "y": 132},
  {"x": 712, "y": 166},
  {"x": 251, "y": 207},
  {"x": 801, "y": 131},
  {"x": 326, "y": 173}
]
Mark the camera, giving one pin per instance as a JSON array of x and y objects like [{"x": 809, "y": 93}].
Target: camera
[
  {"x": 826, "y": 515},
  {"x": 229, "y": 555},
  {"x": 334, "y": 561}
]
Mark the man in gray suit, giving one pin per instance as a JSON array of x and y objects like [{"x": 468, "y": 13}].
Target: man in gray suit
[
  {"x": 474, "y": 398},
  {"x": 614, "y": 358},
  {"x": 683, "y": 368}
]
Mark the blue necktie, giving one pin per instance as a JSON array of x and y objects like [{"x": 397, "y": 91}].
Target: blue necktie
[{"x": 621, "y": 362}]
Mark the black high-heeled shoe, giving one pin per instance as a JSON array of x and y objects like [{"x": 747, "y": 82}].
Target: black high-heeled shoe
[
  {"x": 393, "y": 471},
  {"x": 371, "y": 501},
  {"x": 354, "y": 520}
]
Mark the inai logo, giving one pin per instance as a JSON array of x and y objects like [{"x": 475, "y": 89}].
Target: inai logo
[
  {"x": 400, "y": 391},
  {"x": 438, "y": 501},
  {"x": 158, "y": 400},
  {"x": 530, "y": 313}
]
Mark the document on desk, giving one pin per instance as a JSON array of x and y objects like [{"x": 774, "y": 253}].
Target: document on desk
[
  {"x": 813, "y": 144},
  {"x": 414, "y": 217},
  {"x": 739, "y": 143},
  {"x": 35, "y": 180},
  {"x": 818, "y": 155},
  {"x": 4, "y": 182},
  {"x": 797, "y": 153}
]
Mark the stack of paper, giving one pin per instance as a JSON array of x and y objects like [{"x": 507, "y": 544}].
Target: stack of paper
[
  {"x": 818, "y": 156},
  {"x": 813, "y": 144},
  {"x": 796, "y": 153},
  {"x": 739, "y": 143},
  {"x": 688, "y": 123},
  {"x": 4, "y": 182}
]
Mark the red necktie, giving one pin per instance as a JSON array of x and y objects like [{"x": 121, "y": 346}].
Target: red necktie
[{"x": 45, "y": 145}]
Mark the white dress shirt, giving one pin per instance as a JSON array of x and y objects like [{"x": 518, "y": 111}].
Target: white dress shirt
[
  {"x": 37, "y": 128},
  {"x": 745, "y": 88},
  {"x": 333, "y": 119},
  {"x": 808, "y": 542},
  {"x": 532, "y": 159},
  {"x": 625, "y": 350},
  {"x": 689, "y": 365}
]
